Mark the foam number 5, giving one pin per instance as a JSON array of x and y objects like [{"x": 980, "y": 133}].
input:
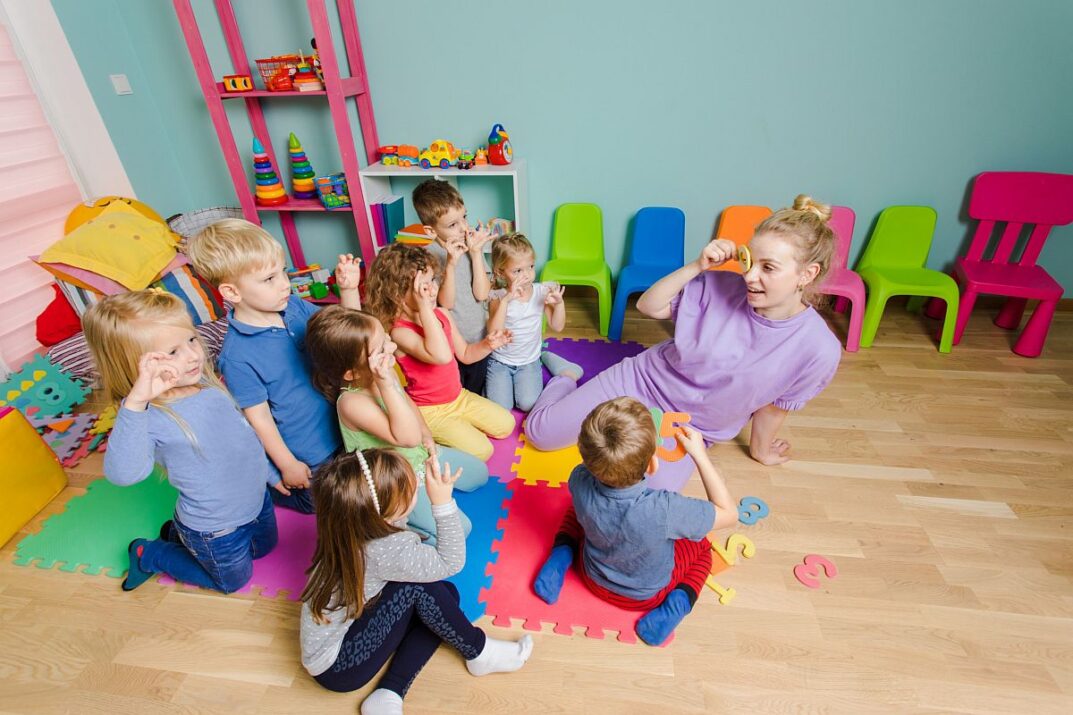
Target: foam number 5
[
  {"x": 746, "y": 515},
  {"x": 729, "y": 553},
  {"x": 808, "y": 571},
  {"x": 670, "y": 426}
]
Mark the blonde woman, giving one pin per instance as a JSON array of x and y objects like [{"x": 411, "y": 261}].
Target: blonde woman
[{"x": 176, "y": 414}]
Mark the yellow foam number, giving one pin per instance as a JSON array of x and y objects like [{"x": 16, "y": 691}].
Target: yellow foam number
[
  {"x": 726, "y": 595},
  {"x": 729, "y": 553}
]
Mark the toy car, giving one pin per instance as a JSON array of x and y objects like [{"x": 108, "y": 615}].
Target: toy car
[
  {"x": 389, "y": 155},
  {"x": 407, "y": 155},
  {"x": 465, "y": 160},
  {"x": 441, "y": 153}
]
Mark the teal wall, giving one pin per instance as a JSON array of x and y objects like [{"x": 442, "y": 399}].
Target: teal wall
[{"x": 690, "y": 103}]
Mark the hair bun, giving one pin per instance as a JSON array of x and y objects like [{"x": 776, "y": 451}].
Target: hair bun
[{"x": 804, "y": 202}]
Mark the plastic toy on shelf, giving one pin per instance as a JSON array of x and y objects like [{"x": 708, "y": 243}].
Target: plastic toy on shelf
[
  {"x": 310, "y": 282},
  {"x": 408, "y": 154},
  {"x": 269, "y": 190},
  {"x": 301, "y": 170},
  {"x": 441, "y": 153},
  {"x": 465, "y": 159},
  {"x": 237, "y": 83},
  {"x": 481, "y": 159},
  {"x": 276, "y": 72},
  {"x": 333, "y": 192},
  {"x": 304, "y": 78},
  {"x": 500, "y": 152},
  {"x": 389, "y": 155}
]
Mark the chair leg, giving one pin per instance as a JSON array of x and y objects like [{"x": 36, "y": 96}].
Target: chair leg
[
  {"x": 605, "y": 307},
  {"x": 937, "y": 306},
  {"x": 873, "y": 313},
  {"x": 856, "y": 317},
  {"x": 618, "y": 313},
  {"x": 1030, "y": 344},
  {"x": 946, "y": 340},
  {"x": 968, "y": 299},
  {"x": 1010, "y": 315}
]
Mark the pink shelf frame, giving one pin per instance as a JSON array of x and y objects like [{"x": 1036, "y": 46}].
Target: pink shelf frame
[{"x": 337, "y": 90}]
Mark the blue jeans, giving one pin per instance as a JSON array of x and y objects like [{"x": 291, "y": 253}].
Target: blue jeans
[
  {"x": 220, "y": 560},
  {"x": 510, "y": 385},
  {"x": 474, "y": 476}
]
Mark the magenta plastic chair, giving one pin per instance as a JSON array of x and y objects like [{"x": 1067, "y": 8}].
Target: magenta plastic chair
[
  {"x": 1018, "y": 199},
  {"x": 841, "y": 281}
]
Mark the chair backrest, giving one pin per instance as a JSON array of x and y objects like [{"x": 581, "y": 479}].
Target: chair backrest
[
  {"x": 901, "y": 239},
  {"x": 842, "y": 220},
  {"x": 738, "y": 223},
  {"x": 577, "y": 232},
  {"x": 1018, "y": 199},
  {"x": 659, "y": 236}
]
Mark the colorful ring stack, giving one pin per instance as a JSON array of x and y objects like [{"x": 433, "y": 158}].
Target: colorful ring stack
[
  {"x": 269, "y": 188},
  {"x": 301, "y": 170}
]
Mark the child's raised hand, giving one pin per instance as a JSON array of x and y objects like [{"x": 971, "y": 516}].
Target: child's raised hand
[
  {"x": 348, "y": 272},
  {"x": 516, "y": 291},
  {"x": 691, "y": 440},
  {"x": 156, "y": 375},
  {"x": 477, "y": 237},
  {"x": 426, "y": 292},
  {"x": 455, "y": 249},
  {"x": 498, "y": 338},
  {"x": 555, "y": 295},
  {"x": 382, "y": 366},
  {"x": 439, "y": 483},
  {"x": 716, "y": 253}
]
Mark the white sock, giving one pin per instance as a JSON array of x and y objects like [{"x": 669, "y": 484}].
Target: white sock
[
  {"x": 501, "y": 656},
  {"x": 382, "y": 702}
]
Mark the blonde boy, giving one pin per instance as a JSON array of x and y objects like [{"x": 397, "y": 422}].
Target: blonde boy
[{"x": 263, "y": 359}]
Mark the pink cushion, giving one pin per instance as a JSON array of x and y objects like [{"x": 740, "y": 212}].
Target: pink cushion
[{"x": 96, "y": 282}]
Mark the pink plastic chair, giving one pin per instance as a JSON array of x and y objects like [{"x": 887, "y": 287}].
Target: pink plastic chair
[
  {"x": 841, "y": 281},
  {"x": 1018, "y": 199}
]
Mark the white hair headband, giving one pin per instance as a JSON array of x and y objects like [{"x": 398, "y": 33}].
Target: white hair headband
[{"x": 369, "y": 479}]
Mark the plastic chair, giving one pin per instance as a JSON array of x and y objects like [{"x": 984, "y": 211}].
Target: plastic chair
[
  {"x": 841, "y": 281},
  {"x": 1018, "y": 199},
  {"x": 893, "y": 264},
  {"x": 738, "y": 223},
  {"x": 657, "y": 248},
  {"x": 577, "y": 254}
]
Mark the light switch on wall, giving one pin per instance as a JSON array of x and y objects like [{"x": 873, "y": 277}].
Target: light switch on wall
[{"x": 121, "y": 84}]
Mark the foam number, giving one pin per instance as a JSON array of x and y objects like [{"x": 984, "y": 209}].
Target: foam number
[
  {"x": 808, "y": 571},
  {"x": 729, "y": 553},
  {"x": 726, "y": 595},
  {"x": 670, "y": 426},
  {"x": 746, "y": 515}
]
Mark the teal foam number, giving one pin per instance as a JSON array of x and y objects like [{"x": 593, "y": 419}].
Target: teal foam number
[{"x": 746, "y": 515}]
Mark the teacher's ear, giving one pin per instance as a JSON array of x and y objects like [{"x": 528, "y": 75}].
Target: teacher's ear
[{"x": 809, "y": 274}]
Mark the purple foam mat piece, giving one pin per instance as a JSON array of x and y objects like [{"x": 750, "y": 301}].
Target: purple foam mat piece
[{"x": 594, "y": 356}]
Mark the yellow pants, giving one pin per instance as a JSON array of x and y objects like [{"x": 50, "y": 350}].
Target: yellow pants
[{"x": 463, "y": 423}]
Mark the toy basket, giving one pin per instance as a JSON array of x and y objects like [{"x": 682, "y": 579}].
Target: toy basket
[
  {"x": 333, "y": 191},
  {"x": 278, "y": 66}
]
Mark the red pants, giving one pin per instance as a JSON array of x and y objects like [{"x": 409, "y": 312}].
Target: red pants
[{"x": 692, "y": 564}]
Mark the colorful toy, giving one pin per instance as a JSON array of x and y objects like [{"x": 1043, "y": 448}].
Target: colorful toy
[
  {"x": 465, "y": 159},
  {"x": 269, "y": 190},
  {"x": 408, "y": 154},
  {"x": 481, "y": 159},
  {"x": 389, "y": 155},
  {"x": 301, "y": 170},
  {"x": 670, "y": 426},
  {"x": 808, "y": 571},
  {"x": 30, "y": 474},
  {"x": 746, "y": 515},
  {"x": 42, "y": 385},
  {"x": 315, "y": 59},
  {"x": 237, "y": 83},
  {"x": 441, "y": 153},
  {"x": 311, "y": 282},
  {"x": 500, "y": 152},
  {"x": 500, "y": 227},
  {"x": 333, "y": 191},
  {"x": 304, "y": 78},
  {"x": 276, "y": 72},
  {"x": 745, "y": 258}
]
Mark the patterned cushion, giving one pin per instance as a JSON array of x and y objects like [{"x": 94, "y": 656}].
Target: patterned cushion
[{"x": 202, "y": 301}]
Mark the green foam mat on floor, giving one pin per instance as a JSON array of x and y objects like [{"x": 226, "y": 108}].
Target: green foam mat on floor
[{"x": 95, "y": 528}]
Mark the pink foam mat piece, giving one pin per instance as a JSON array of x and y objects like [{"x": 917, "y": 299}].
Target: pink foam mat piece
[
  {"x": 535, "y": 512},
  {"x": 283, "y": 570},
  {"x": 505, "y": 451}
]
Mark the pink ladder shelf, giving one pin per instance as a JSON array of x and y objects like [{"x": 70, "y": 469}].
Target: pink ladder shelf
[{"x": 337, "y": 89}]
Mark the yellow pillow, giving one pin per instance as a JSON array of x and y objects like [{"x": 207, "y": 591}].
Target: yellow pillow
[{"x": 119, "y": 244}]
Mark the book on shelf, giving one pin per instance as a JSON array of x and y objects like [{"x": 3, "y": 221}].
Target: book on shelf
[
  {"x": 414, "y": 233},
  {"x": 393, "y": 216},
  {"x": 379, "y": 224}
]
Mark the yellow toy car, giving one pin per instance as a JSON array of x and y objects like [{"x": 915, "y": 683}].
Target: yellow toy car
[{"x": 441, "y": 153}]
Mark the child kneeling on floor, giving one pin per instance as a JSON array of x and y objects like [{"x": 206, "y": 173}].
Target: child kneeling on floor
[
  {"x": 375, "y": 592},
  {"x": 641, "y": 549}
]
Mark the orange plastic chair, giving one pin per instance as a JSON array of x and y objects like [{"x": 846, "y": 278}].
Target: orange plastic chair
[{"x": 738, "y": 223}]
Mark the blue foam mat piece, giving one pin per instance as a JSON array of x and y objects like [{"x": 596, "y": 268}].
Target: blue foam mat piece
[{"x": 487, "y": 510}]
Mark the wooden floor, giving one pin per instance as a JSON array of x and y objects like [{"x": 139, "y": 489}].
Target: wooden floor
[{"x": 940, "y": 485}]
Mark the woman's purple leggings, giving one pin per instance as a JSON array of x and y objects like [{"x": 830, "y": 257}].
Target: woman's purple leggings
[{"x": 556, "y": 418}]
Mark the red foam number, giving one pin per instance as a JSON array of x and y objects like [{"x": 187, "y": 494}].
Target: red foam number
[{"x": 808, "y": 571}]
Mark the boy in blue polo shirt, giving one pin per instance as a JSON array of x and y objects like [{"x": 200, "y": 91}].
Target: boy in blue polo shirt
[{"x": 263, "y": 359}]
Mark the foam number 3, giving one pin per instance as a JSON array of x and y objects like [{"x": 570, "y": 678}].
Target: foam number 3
[
  {"x": 746, "y": 515},
  {"x": 729, "y": 553},
  {"x": 670, "y": 426},
  {"x": 808, "y": 571},
  {"x": 726, "y": 595}
]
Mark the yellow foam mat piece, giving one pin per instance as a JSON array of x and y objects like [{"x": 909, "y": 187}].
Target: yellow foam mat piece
[
  {"x": 30, "y": 474},
  {"x": 553, "y": 468}
]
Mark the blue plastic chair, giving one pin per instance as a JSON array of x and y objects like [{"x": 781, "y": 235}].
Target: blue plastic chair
[{"x": 658, "y": 248}]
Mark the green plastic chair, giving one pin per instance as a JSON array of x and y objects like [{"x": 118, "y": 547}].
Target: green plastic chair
[
  {"x": 577, "y": 254},
  {"x": 893, "y": 264}
]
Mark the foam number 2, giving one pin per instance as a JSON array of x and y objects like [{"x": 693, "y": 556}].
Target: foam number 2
[
  {"x": 746, "y": 515},
  {"x": 670, "y": 426},
  {"x": 729, "y": 553},
  {"x": 808, "y": 571}
]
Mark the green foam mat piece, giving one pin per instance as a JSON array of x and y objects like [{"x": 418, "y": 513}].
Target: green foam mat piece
[{"x": 96, "y": 527}]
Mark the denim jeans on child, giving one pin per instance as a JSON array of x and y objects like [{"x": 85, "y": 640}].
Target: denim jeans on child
[
  {"x": 514, "y": 385},
  {"x": 221, "y": 560}
]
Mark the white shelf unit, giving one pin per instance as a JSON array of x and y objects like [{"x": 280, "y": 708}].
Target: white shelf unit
[{"x": 376, "y": 182}]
